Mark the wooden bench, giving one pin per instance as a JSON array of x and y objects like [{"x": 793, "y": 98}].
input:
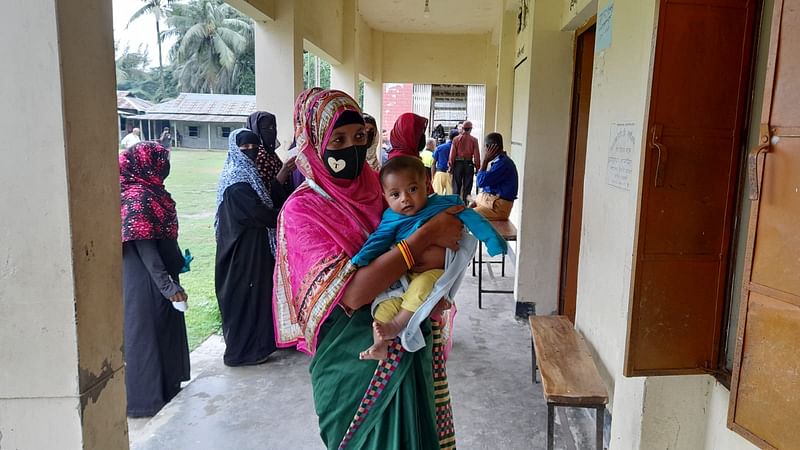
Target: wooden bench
[
  {"x": 569, "y": 375},
  {"x": 507, "y": 231}
]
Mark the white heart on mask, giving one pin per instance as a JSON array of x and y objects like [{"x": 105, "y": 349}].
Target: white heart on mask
[{"x": 337, "y": 165}]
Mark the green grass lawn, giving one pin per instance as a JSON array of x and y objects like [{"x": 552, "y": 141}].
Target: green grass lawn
[{"x": 193, "y": 184}]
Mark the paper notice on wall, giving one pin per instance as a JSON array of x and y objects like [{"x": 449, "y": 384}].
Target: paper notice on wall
[
  {"x": 620, "y": 155},
  {"x": 604, "y": 27}
]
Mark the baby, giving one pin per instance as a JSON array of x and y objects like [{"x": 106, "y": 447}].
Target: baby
[{"x": 404, "y": 185}]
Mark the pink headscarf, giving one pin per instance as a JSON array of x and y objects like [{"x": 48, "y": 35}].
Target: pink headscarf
[
  {"x": 321, "y": 226},
  {"x": 299, "y": 107}
]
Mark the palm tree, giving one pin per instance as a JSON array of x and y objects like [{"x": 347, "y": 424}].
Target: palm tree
[
  {"x": 158, "y": 8},
  {"x": 211, "y": 38}
]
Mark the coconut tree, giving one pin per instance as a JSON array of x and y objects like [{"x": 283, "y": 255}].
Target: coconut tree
[
  {"x": 158, "y": 8},
  {"x": 211, "y": 38}
]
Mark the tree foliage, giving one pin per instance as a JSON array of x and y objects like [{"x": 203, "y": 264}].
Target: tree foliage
[
  {"x": 158, "y": 8},
  {"x": 134, "y": 75},
  {"x": 316, "y": 71},
  {"x": 213, "y": 52},
  {"x": 214, "y": 47}
]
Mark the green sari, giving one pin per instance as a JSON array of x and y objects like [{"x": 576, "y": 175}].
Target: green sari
[{"x": 399, "y": 411}]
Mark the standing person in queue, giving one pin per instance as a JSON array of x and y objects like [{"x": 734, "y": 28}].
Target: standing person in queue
[
  {"x": 408, "y": 139},
  {"x": 156, "y": 347},
  {"x": 275, "y": 173},
  {"x": 131, "y": 139},
  {"x": 245, "y": 231},
  {"x": 427, "y": 157},
  {"x": 166, "y": 138},
  {"x": 465, "y": 156},
  {"x": 321, "y": 227},
  {"x": 372, "y": 142},
  {"x": 441, "y": 179}
]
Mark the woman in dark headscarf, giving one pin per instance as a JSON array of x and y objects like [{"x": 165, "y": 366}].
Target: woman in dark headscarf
[
  {"x": 371, "y": 126},
  {"x": 439, "y": 134},
  {"x": 156, "y": 348},
  {"x": 245, "y": 229},
  {"x": 275, "y": 173}
]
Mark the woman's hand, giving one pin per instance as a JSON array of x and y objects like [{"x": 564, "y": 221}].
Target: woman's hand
[
  {"x": 440, "y": 307},
  {"x": 431, "y": 258},
  {"x": 179, "y": 297},
  {"x": 445, "y": 229},
  {"x": 286, "y": 170}
]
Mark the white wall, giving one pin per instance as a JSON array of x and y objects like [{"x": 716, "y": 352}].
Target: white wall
[
  {"x": 425, "y": 58},
  {"x": 62, "y": 376},
  {"x": 201, "y": 141},
  {"x": 364, "y": 49},
  {"x": 279, "y": 44},
  {"x": 541, "y": 159},
  {"x": 24, "y": 237},
  {"x": 505, "y": 75},
  {"x": 620, "y": 92},
  {"x": 320, "y": 22}
]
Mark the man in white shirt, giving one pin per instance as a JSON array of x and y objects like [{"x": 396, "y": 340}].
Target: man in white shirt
[{"x": 131, "y": 139}]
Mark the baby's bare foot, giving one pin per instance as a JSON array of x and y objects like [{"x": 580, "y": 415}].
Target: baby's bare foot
[
  {"x": 377, "y": 351},
  {"x": 387, "y": 331}
]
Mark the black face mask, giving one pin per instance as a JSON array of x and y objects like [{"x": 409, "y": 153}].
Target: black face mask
[
  {"x": 345, "y": 163},
  {"x": 268, "y": 135},
  {"x": 371, "y": 137},
  {"x": 251, "y": 153},
  {"x": 421, "y": 144}
]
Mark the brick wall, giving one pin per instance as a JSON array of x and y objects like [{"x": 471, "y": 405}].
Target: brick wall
[{"x": 397, "y": 99}]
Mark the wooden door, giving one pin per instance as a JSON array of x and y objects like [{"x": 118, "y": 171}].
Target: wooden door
[
  {"x": 573, "y": 207},
  {"x": 765, "y": 394},
  {"x": 698, "y": 107}
]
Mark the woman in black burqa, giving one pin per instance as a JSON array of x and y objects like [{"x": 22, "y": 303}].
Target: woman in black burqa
[{"x": 245, "y": 231}]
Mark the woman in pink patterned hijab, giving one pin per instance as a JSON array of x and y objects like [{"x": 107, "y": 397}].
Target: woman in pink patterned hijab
[{"x": 322, "y": 300}]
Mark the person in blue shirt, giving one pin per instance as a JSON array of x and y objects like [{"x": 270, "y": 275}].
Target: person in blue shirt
[
  {"x": 498, "y": 181},
  {"x": 442, "y": 180},
  {"x": 386, "y": 146},
  {"x": 404, "y": 187}
]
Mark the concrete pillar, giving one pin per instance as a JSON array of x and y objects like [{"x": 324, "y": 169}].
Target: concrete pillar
[
  {"x": 542, "y": 163},
  {"x": 344, "y": 76},
  {"x": 62, "y": 379},
  {"x": 490, "y": 94},
  {"x": 279, "y": 67},
  {"x": 505, "y": 75},
  {"x": 373, "y": 89}
]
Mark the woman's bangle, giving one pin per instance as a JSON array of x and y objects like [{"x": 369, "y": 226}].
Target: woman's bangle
[
  {"x": 405, "y": 251},
  {"x": 408, "y": 252}
]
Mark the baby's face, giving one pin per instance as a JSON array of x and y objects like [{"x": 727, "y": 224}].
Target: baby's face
[{"x": 405, "y": 192}]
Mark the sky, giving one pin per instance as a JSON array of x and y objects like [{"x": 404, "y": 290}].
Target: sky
[{"x": 141, "y": 32}]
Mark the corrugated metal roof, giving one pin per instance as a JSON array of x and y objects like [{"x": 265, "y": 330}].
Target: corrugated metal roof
[
  {"x": 126, "y": 100},
  {"x": 192, "y": 117},
  {"x": 215, "y": 104}
]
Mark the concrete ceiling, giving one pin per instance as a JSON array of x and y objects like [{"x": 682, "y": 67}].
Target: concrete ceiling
[{"x": 446, "y": 16}]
